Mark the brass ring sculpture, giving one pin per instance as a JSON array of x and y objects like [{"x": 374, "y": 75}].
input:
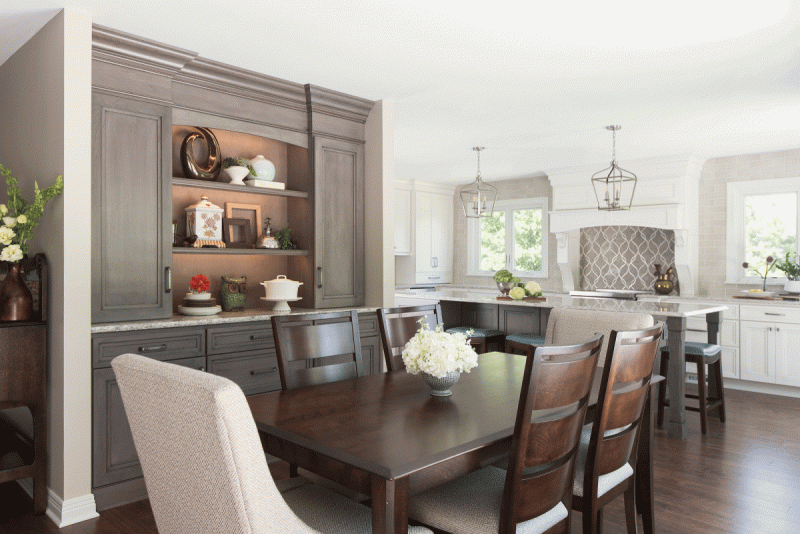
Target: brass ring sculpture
[{"x": 191, "y": 168}]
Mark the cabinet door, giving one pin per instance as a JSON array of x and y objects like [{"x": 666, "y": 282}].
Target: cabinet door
[
  {"x": 787, "y": 364},
  {"x": 131, "y": 209},
  {"x": 423, "y": 246},
  {"x": 757, "y": 358},
  {"x": 730, "y": 362},
  {"x": 339, "y": 223},
  {"x": 402, "y": 222},
  {"x": 442, "y": 232},
  {"x": 114, "y": 454},
  {"x": 433, "y": 249}
]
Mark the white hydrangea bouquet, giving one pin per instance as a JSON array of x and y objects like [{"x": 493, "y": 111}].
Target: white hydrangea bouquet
[{"x": 438, "y": 353}]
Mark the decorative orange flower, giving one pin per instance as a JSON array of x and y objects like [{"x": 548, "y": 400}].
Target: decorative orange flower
[{"x": 199, "y": 284}]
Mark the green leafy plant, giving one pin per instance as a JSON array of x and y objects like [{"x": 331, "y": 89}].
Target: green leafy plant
[
  {"x": 20, "y": 218},
  {"x": 238, "y": 162},
  {"x": 284, "y": 239},
  {"x": 503, "y": 276},
  {"x": 789, "y": 266}
]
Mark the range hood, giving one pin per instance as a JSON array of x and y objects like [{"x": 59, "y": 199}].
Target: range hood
[{"x": 666, "y": 197}]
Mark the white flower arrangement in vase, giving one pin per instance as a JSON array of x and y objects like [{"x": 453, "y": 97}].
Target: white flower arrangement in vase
[{"x": 438, "y": 353}]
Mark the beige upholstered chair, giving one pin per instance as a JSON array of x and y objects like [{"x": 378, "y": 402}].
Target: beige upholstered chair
[
  {"x": 203, "y": 463},
  {"x": 567, "y": 326}
]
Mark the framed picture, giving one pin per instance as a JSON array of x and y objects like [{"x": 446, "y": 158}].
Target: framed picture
[
  {"x": 237, "y": 233},
  {"x": 251, "y": 212}
]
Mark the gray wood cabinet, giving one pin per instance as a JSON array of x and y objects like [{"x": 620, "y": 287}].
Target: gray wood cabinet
[
  {"x": 339, "y": 223},
  {"x": 131, "y": 209}
]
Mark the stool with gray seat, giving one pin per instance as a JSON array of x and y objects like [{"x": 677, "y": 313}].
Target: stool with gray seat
[
  {"x": 524, "y": 344},
  {"x": 481, "y": 338},
  {"x": 702, "y": 355}
]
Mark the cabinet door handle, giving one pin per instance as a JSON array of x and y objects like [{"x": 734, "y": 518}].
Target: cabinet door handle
[
  {"x": 319, "y": 277},
  {"x": 167, "y": 279},
  {"x": 154, "y": 348},
  {"x": 263, "y": 371},
  {"x": 777, "y": 329},
  {"x": 775, "y": 314},
  {"x": 201, "y": 368},
  {"x": 434, "y": 277},
  {"x": 259, "y": 336}
]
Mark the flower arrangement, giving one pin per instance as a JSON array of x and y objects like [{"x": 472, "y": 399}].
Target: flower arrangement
[
  {"x": 770, "y": 264},
  {"x": 437, "y": 353},
  {"x": 790, "y": 267},
  {"x": 20, "y": 219},
  {"x": 199, "y": 284}
]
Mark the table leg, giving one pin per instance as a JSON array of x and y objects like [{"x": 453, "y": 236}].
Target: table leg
[
  {"x": 389, "y": 505},
  {"x": 712, "y": 323},
  {"x": 676, "y": 382},
  {"x": 645, "y": 503}
]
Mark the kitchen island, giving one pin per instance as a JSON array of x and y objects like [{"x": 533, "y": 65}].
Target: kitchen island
[{"x": 483, "y": 309}]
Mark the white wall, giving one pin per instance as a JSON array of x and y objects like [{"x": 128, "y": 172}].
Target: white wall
[
  {"x": 379, "y": 206},
  {"x": 45, "y": 130}
]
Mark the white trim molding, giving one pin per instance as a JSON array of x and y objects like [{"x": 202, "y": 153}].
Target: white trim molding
[{"x": 64, "y": 513}]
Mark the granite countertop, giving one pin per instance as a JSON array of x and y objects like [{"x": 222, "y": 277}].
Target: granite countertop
[{"x": 177, "y": 320}]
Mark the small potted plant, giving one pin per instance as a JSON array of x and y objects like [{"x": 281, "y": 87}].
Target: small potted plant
[
  {"x": 198, "y": 288},
  {"x": 237, "y": 169},
  {"x": 440, "y": 357},
  {"x": 770, "y": 264},
  {"x": 791, "y": 268}
]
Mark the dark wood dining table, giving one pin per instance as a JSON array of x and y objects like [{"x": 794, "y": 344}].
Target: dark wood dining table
[{"x": 385, "y": 436}]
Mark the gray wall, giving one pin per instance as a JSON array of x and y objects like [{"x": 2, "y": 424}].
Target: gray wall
[
  {"x": 716, "y": 174},
  {"x": 45, "y": 130}
]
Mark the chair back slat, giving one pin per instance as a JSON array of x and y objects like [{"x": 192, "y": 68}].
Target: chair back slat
[
  {"x": 329, "y": 344},
  {"x": 623, "y": 392},
  {"x": 547, "y": 429},
  {"x": 398, "y": 325}
]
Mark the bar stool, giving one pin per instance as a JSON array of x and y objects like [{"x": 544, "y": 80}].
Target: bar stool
[
  {"x": 481, "y": 338},
  {"x": 701, "y": 354},
  {"x": 523, "y": 343}
]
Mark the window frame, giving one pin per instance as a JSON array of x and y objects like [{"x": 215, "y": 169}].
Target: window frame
[
  {"x": 509, "y": 206},
  {"x": 736, "y": 209}
]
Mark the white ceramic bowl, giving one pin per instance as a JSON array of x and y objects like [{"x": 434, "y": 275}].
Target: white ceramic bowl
[{"x": 281, "y": 288}]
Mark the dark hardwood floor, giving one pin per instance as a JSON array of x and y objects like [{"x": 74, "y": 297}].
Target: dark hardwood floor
[{"x": 742, "y": 477}]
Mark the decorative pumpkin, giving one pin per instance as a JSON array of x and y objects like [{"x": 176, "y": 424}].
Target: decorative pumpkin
[{"x": 233, "y": 294}]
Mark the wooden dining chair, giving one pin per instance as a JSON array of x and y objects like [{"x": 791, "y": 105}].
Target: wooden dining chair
[
  {"x": 203, "y": 464},
  {"x": 319, "y": 348},
  {"x": 607, "y": 453},
  {"x": 534, "y": 494},
  {"x": 398, "y": 325}
]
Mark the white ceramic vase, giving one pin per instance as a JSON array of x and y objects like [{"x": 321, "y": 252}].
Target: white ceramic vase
[
  {"x": 265, "y": 169},
  {"x": 792, "y": 286},
  {"x": 236, "y": 174}
]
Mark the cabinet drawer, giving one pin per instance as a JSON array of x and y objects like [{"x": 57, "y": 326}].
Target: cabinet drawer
[
  {"x": 368, "y": 324},
  {"x": 253, "y": 336},
  {"x": 254, "y": 371},
  {"x": 770, "y": 314},
  {"x": 161, "y": 345}
]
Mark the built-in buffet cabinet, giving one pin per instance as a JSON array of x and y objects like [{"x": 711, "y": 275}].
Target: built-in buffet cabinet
[{"x": 146, "y": 97}]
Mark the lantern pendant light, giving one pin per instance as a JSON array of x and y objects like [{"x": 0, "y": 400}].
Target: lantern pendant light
[
  {"x": 478, "y": 198},
  {"x": 614, "y": 186}
]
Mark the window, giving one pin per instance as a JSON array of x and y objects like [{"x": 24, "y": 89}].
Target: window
[
  {"x": 514, "y": 237},
  {"x": 762, "y": 221}
]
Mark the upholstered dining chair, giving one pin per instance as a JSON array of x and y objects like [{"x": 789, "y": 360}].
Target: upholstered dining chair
[
  {"x": 398, "y": 325},
  {"x": 203, "y": 464},
  {"x": 331, "y": 342},
  {"x": 608, "y": 448},
  {"x": 534, "y": 494}
]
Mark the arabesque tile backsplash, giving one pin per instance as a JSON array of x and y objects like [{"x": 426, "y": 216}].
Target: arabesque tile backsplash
[{"x": 624, "y": 257}]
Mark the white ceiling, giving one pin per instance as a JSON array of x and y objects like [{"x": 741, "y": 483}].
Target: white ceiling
[{"x": 536, "y": 85}]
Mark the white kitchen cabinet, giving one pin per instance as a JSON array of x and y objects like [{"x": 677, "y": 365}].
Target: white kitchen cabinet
[
  {"x": 433, "y": 225},
  {"x": 402, "y": 222},
  {"x": 770, "y": 344}
]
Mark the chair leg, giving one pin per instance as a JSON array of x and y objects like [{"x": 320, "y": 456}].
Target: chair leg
[
  {"x": 702, "y": 394},
  {"x": 591, "y": 519},
  {"x": 662, "y": 390},
  {"x": 630, "y": 509},
  {"x": 720, "y": 389}
]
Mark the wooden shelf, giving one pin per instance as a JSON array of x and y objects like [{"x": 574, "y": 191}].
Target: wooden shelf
[
  {"x": 240, "y": 251},
  {"x": 202, "y": 184}
]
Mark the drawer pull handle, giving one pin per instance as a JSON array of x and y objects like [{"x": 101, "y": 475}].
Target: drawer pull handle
[
  {"x": 201, "y": 368},
  {"x": 263, "y": 371},
  {"x": 775, "y": 314},
  {"x": 255, "y": 337},
  {"x": 154, "y": 348}
]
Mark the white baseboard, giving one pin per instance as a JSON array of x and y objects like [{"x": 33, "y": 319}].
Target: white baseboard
[
  {"x": 761, "y": 387},
  {"x": 64, "y": 513}
]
